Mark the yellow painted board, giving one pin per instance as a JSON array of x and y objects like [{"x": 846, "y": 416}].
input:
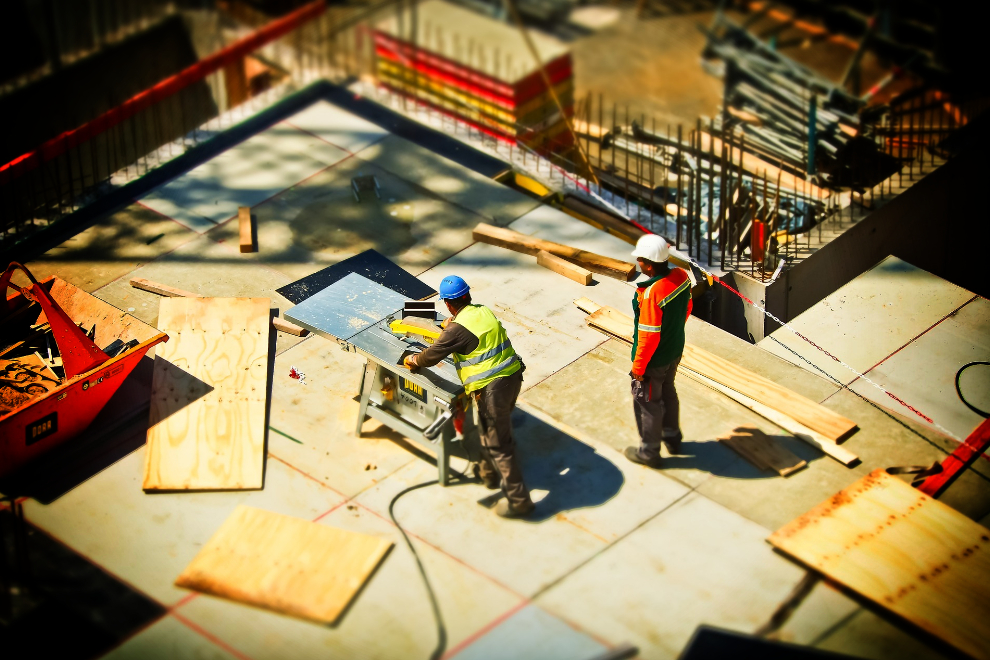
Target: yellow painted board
[
  {"x": 905, "y": 551},
  {"x": 208, "y": 395},
  {"x": 285, "y": 564}
]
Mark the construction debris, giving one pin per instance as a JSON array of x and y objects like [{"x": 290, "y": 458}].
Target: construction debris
[{"x": 246, "y": 229}]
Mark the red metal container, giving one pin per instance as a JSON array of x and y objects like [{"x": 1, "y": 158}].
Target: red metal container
[{"x": 91, "y": 377}]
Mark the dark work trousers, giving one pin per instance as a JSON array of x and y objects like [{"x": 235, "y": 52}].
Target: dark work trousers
[
  {"x": 498, "y": 448},
  {"x": 657, "y": 411}
]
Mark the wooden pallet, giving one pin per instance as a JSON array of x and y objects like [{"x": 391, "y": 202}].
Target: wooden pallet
[
  {"x": 905, "y": 551},
  {"x": 209, "y": 395},
  {"x": 285, "y": 564}
]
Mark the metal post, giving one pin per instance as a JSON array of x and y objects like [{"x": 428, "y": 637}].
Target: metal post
[{"x": 812, "y": 132}]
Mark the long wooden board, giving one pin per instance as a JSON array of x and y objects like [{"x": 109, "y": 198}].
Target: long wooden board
[
  {"x": 208, "y": 395},
  {"x": 808, "y": 413},
  {"x": 285, "y": 564},
  {"x": 905, "y": 551},
  {"x": 796, "y": 429},
  {"x": 513, "y": 240},
  {"x": 762, "y": 451}
]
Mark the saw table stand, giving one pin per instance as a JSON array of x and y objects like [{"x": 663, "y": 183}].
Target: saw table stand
[{"x": 356, "y": 313}]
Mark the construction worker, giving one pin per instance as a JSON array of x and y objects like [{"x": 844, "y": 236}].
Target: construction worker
[
  {"x": 661, "y": 307},
  {"x": 492, "y": 372}
]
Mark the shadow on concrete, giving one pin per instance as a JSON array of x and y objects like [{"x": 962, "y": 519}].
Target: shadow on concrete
[
  {"x": 719, "y": 460},
  {"x": 573, "y": 473}
]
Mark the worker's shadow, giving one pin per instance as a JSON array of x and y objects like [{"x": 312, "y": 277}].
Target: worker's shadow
[{"x": 573, "y": 475}]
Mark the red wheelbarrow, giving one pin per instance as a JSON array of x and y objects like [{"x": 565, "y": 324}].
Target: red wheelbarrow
[{"x": 39, "y": 407}]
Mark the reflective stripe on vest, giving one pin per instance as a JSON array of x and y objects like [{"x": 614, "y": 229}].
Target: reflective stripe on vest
[
  {"x": 494, "y": 370},
  {"x": 649, "y": 328},
  {"x": 494, "y": 356}
]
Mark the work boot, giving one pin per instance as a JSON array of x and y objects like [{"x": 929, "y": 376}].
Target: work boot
[
  {"x": 673, "y": 443},
  {"x": 505, "y": 510},
  {"x": 632, "y": 453}
]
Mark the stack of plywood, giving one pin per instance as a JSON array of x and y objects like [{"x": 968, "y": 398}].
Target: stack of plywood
[{"x": 478, "y": 70}]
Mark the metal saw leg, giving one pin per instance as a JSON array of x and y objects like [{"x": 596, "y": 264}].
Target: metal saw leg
[
  {"x": 443, "y": 456},
  {"x": 370, "y": 372}
]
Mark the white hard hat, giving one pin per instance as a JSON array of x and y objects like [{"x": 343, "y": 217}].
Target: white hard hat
[{"x": 652, "y": 248}]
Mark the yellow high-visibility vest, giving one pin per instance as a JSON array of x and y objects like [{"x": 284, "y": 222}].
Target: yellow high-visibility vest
[{"x": 493, "y": 358}]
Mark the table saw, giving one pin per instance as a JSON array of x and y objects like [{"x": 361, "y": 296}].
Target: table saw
[{"x": 359, "y": 315}]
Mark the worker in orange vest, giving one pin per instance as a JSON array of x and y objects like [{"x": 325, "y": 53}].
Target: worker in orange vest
[{"x": 661, "y": 307}]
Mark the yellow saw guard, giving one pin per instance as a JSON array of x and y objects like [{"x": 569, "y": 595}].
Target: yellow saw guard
[{"x": 415, "y": 326}]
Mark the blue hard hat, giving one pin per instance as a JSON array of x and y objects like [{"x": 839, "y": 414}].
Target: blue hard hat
[{"x": 453, "y": 286}]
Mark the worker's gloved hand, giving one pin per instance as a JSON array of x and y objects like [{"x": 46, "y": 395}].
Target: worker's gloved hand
[{"x": 410, "y": 363}]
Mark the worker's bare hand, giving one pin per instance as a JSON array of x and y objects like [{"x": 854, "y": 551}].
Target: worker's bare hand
[
  {"x": 636, "y": 376},
  {"x": 410, "y": 363},
  {"x": 445, "y": 322}
]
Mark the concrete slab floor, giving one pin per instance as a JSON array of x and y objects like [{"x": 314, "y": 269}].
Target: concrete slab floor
[
  {"x": 523, "y": 556},
  {"x": 924, "y": 372},
  {"x": 338, "y": 127},
  {"x": 168, "y": 638},
  {"x": 845, "y": 322},
  {"x": 672, "y": 581},
  {"x": 312, "y": 424},
  {"x": 244, "y": 175},
  {"x": 113, "y": 247},
  {"x": 319, "y": 223}
]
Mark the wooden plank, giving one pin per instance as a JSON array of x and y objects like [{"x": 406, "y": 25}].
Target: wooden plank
[
  {"x": 905, "y": 551},
  {"x": 161, "y": 289},
  {"x": 247, "y": 230},
  {"x": 563, "y": 267},
  {"x": 808, "y": 413},
  {"x": 763, "y": 451},
  {"x": 513, "y": 240},
  {"x": 793, "y": 427},
  {"x": 285, "y": 564},
  {"x": 284, "y": 326},
  {"x": 208, "y": 395},
  {"x": 587, "y": 305}
]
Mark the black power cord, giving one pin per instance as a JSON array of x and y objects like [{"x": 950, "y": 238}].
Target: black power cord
[
  {"x": 441, "y": 628},
  {"x": 963, "y": 368}
]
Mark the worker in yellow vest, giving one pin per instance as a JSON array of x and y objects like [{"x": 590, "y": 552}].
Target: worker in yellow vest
[{"x": 492, "y": 372}]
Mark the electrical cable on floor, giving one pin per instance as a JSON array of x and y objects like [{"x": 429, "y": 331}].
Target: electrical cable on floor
[
  {"x": 959, "y": 373},
  {"x": 441, "y": 629}
]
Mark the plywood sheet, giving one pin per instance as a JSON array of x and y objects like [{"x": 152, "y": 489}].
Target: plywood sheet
[
  {"x": 285, "y": 564},
  {"x": 208, "y": 395},
  {"x": 905, "y": 551}
]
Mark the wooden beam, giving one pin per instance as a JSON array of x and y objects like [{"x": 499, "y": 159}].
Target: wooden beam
[
  {"x": 563, "y": 267},
  {"x": 906, "y": 552},
  {"x": 762, "y": 451},
  {"x": 161, "y": 289},
  {"x": 247, "y": 229},
  {"x": 513, "y": 240},
  {"x": 284, "y": 326}
]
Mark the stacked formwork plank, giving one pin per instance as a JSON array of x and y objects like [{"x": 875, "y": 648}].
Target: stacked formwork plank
[{"x": 478, "y": 70}]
